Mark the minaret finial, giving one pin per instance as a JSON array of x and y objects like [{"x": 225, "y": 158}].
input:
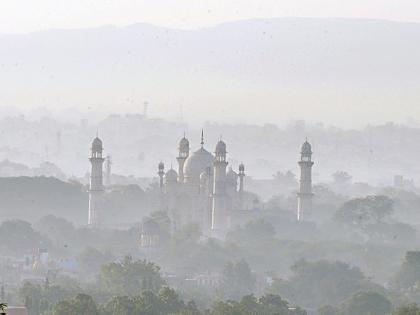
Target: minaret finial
[
  {"x": 97, "y": 133},
  {"x": 184, "y": 134},
  {"x": 202, "y": 137}
]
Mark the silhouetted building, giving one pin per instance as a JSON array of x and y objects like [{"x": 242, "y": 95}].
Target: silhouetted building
[
  {"x": 305, "y": 194},
  {"x": 202, "y": 192},
  {"x": 96, "y": 189}
]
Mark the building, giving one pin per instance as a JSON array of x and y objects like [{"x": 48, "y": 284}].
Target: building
[
  {"x": 305, "y": 195},
  {"x": 96, "y": 188},
  {"x": 203, "y": 191}
]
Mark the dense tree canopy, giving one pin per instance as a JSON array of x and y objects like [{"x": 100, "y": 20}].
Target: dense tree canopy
[
  {"x": 365, "y": 211},
  {"x": 130, "y": 277}
]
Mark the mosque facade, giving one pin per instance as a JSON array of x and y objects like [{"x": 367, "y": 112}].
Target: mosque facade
[{"x": 204, "y": 190}]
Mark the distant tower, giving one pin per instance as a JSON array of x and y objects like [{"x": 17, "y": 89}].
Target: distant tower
[
  {"x": 96, "y": 183},
  {"x": 305, "y": 192},
  {"x": 161, "y": 173},
  {"x": 219, "y": 212},
  {"x": 241, "y": 175},
  {"x": 108, "y": 170},
  {"x": 184, "y": 152}
]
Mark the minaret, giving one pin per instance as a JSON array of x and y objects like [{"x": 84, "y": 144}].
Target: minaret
[
  {"x": 241, "y": 175},
  {"x": 161, "y": 173},
  {"x": 184, "y": 151},
  {"x": 220, "y": 222},
  {"x": 305, "y": 192},
  {"x": 96, "y": 189}
]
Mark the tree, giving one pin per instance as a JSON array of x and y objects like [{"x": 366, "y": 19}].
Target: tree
[
  {"x": 238, "y": 279},
  {"x": 371, "y": 303},
  {"x": 254, "y": 230},
  {"x": 18, "y": 237},
  {"x": 90, "y": 260},
  {"x": 409, "y": 273},
  {"x": 249, "y": 305},
  {"x": 328, "y": 310},
  {"x": 364, "y": 211},
  {"x": 411, "y": 309},
  {"x": 130, "y": 277},
  {"x": 120, "y": 305},
  {"x": 82, "y": 304},
  {"x": 323, "y": 283}
]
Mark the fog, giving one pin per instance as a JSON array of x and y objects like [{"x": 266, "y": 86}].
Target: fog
[
  {"x": 259, "y": 166},
  {"x": 291, "y": 68}
]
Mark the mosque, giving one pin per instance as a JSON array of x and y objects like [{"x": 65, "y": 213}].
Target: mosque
[{"x": 203, "y": 191}]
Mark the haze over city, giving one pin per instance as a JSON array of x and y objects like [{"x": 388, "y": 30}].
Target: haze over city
[{"x": 201, "y": 157}]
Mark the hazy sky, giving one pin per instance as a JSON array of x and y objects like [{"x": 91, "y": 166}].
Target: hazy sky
[{"x": 29, "y": 15}]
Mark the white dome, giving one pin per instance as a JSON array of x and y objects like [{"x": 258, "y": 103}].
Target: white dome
[
  {"x": 197, "y": 163},
  {"x": 171, "y": 175}
]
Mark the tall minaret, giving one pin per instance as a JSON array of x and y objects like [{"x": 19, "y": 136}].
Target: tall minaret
[
  {"x": 241, "y": 175},
  {"x": 305, "y": 194},
  {"x": 184, "y": 151},
  {"x": 161, "y": 173},
  {"x": 220, "y": 218},
  {"x": 96, "y": 189}
]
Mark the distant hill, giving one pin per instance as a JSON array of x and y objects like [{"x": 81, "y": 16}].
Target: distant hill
[
  {"x": 30, "y": 198},
  {"x": 301, "y": 65}
]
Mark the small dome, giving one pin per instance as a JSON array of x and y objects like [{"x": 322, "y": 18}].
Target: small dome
[
  {"x": 171, "y": 175},
  {"x": 241, "y": 167},
  {"x": 221, "y": 147},
  {"x": 197, "y": 163},
  {"x": 231, "y": 175},
  {"x": 306, "y": 148},
  {"x": 97, "y": 144},
  {"x": 161, "y": 166}
]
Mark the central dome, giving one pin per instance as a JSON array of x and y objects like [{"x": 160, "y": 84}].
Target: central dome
[{"x": 197, "y": 163}]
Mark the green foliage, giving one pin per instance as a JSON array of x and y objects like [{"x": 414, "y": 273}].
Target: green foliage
[
  {"x": 411, "y": 309},
  {"x": 249, "y": 305},
  {"x": 409, "y": 273},
  {"x": 328, "y": 310},
  {"x": 18, "y": 237},
  {"x": 39, "y": 299},
  {"x": 363, "y": 303},
  {"x": 364, "y": 211},
  {"x": 322, "y": 283},
  {"x": 91, "y": 260},
  {"x": 253, "y": 231},
  {"x": 238, "y": 280},
  {"x": 130, "y": 277},
  {"x": 82, "y": 304},
  {"x": 165, "y": 302}
]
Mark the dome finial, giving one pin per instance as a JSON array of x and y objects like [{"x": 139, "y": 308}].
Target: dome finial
[{"x": 202, "y": 137}]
